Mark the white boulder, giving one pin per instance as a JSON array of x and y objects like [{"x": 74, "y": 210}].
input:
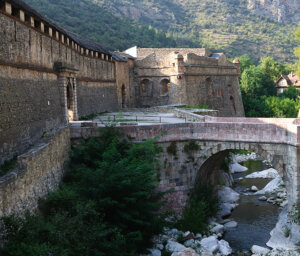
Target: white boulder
[
  {"x": 188, "y": 252},
  {"x": 218, "y": 228},
  {"x": 210, "y": 244},
  {"x": 259, "y": 250},
  {"x": 271, "y": 187},
  {"x": 239, "y": 158},
  {"x": 174, "y": 246},
  {"x": 227, "y": 195},
  {"x": 254, "y": 189},
  {"x": 154, "y": 252},
  {"x": 189, "y": 243},
  {"x": 224, "y": 248},
  {"x": 236, "y": 167},
  {"x": 266, "y": 174},
  {"x": 226, "y": 209},
  {"x": 231, "y": 224}
]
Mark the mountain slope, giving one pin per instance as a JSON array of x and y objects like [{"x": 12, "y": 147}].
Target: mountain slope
[
  {"x": 232, "y": 26},
  {"x": 221, "y": 25},
  {"x": 95, "y": 23}
]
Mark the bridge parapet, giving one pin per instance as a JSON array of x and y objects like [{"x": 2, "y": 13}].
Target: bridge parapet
[{"x": 259, "y": 130}]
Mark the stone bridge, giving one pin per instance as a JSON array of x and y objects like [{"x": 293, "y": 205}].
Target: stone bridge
[{"x": 276, "y": 140}]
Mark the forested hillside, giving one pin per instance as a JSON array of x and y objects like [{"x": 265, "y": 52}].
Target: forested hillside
[
  {"x": 227, "y": 26},
  {"x": 95, "y": 23}
]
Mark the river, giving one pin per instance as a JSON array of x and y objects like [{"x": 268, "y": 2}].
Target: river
[{"x": 255, "y": 218}]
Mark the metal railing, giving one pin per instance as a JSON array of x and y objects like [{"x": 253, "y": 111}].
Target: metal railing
[{"x": 136, "y": 118}]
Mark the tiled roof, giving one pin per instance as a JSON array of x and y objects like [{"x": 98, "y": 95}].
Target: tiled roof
[{"x": 292, "y": 80}]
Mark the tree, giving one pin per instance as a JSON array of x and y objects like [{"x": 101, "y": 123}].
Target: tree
[
  {"x": 291, "y": 93},
  {"x": 108, "y": 204},
  {"x": 272, "y": 68},
  {"x": 254, "y": 83},
  {"x": 297, "y": 50},
  {"x": 245, "y": 61},
  {"x": 282, "y": 107}
]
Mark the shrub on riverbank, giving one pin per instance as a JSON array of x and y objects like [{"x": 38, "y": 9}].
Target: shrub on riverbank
[
  {"x": 107, "y": 204},
  {"x": 202, "y": 205}
]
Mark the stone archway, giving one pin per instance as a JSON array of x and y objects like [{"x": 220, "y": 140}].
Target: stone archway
[
  {"x": 71, "y": 100},
  {"x": 164, "y": 87},
  {"x": 68, "y": 90},
  {"x": 278, "y": 155}
]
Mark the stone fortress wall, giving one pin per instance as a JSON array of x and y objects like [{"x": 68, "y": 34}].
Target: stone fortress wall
[
  {"x": 32, "y": 99},
  {"x": 48, "y": 76},
  {"x": 186, "y": 76}
]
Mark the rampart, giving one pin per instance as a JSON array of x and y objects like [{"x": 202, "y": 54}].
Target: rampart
[{"x": 47, "y": 72}]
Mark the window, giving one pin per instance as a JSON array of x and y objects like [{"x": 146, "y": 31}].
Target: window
[{"x": 165, "y": 86}]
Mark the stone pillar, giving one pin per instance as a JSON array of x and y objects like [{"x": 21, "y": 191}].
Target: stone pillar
[
  {"x": 66, "y": 75},
  {"x": 62, "y": 84},
  {"x": 75, "y": 108}
]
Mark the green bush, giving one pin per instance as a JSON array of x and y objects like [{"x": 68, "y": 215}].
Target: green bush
[
  {"x": 8, "y": 166},
  {"x": 202, "y": 205},
  {"x": 107, "y": 205},
  {"x": 191, "y": 146}
]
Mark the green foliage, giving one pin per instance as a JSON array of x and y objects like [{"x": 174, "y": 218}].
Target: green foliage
[
  {"x": 273, "y": 69},
  {"x": 287, "y": 231},
  {"x": 245, "y": 61},
  {"x": 8, "y": 166},
  {"x": 295, "y": 214},
  {"x": 297, "y": 50},
  {"x": 290, "y": 93},
  {"x": 259, "y": 90},
  {"x": 240, "y": 151},
  {"x": 172, "y": 148},
  {"x": 202, "y": 205},
  {"x": 283, "y": 107},
  {"x": 90, "y": 20},
  {"x": 191, "y": 146},
  {"x": 255, "y": 83},
  {"x": 107, "y": 204},
  {"x": 91, "y": 116}
]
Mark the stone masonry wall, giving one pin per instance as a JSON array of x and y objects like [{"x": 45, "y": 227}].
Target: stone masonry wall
[
  {"x": 39, "y": 171},
  {"x": 30, "y": 100},
  {"x": 196, "y": 80}
]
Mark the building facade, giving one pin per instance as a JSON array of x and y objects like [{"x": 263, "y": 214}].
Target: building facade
[
  {"x": 286, "y": 81},
  {"x": 186, "y": 76}
]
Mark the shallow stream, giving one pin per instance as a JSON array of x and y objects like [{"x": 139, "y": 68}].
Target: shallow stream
[{"x": 255, "y": 218}]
